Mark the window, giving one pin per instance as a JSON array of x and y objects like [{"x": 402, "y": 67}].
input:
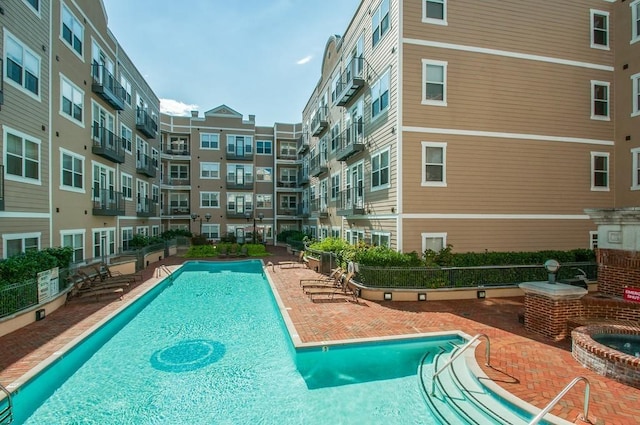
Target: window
[
  {"x": 155, "y": 193},
  {"x": 15, "y": 244},
  {"x": 599, "y": 29},
  {"x": 264, "y": 174},
  {"x": 599, "y": 171},
  {"x": 599, "y": 100},
  {"x": 72, "y": 100},
  {"x": 211, "y": 231},
  {"x": 75, "y": 240},
  {"x": 22, "y": 66},
  {"x": 434, "y": 158},
  {"x": 434, "y": 12},
  {"x": 209, "y": 141},
  {"x": 380, "y": 95},
  {"x": 380, "y": 170},
  {"x": 335, "y": 137},
  {"x": 127, "y": 137},
  {"x": 264, "y": 201},
  {"x": 126, "y": 183},
  {"x": 434, "y": 81},
  {"x": 635, "y": 96},
  {"x": 380, "y": 22},
  {"x": 264, "y": 147},
  {"x": 22, "y": 160},
  {"x": 288, "y": 149},
  {"x": 35, "y": 4},
  {"x": 209, "y": 170},
  {"x": 72, "y": 31},
  {"x": 288, "y": 176},
  {"x": 210, "y": 199},
  {"x": 288, "y": 202},
  {"x": 239, "y": 145},
  {"x": 335, "y": 186},
  {"x": 335, "y": 232},
  {"x": 155, "y": 230},
  {"x": 142, "y": 230},
  {"x": 179, "y": 203},
  {"x": 178, "y": 172},
  {"x": 635, "y": 169},
  {"x": 126, "y": 88},
  {"x": 434, "y": 241},
  {"x": 72, "y": 169},
  {"x": 635, "y": 20},
  {"x": 335, "y": 86},
  {"x": 380, "y": 238},
  {"x": 593, "y": 239}
]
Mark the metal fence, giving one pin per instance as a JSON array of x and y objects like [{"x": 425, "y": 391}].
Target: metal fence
[{"x": 16, "y": 297}]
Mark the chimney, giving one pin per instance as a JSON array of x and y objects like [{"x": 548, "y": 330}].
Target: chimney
[
  {"x": 194, "y": 114},
  {"x": 252, "y": 118}
]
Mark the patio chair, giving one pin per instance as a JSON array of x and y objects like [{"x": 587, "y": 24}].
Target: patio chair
[
  {"x": 84, "y": 286},
  {"x": 244, "y": 251},
  {"x": 105, "y": 273},
  {"x": 329, "y": 294},
  {"x": 302, "y": 260},
  {"x": 224, "y": 251},
  {"x": 333, "y": 280}
]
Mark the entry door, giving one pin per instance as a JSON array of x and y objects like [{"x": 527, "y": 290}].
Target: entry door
[
  {"x": 239, "y": 235},
  {"x": 239, "y": 204}
]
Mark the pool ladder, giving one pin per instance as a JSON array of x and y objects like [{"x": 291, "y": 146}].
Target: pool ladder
[
  {"x": 6, "y": 414},
  {"x": 161, "y": 269},
  {"x": 458, "y": 354}
]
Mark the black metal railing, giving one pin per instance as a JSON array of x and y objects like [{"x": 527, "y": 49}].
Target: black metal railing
[
  {"x": 176, "y": 150},
  {"x": 319, "y": 208},
  {"x": 233, "y": 212},
  {"x": 176, "y": 210},
  {"x": 304, "y": 211},
  {"x": 146, "y": 207},
  {"x": 107, "y": 144},
  {"x": 303, "y": 176},
  {"x": 146, "y": 165},
  {"x": 245, "y": 183},
  {"x": 107, "y": 86},
  {"x": 176, "y": 181},
  {"x": 351, "y": 202},
  {"x": 350, "y": 142},
  {"x": 1, "y": 187},
  {"x": 145, "y": 123},
  {"x": 108, "y": 202},
  {"x": 318, "y": 164},
  {"x": 351, "y": 81},
  {"x": 319, "y": 121},
  {"x": 303, "y": 143}
]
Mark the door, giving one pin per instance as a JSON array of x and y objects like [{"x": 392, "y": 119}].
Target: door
[
  {"x": 239, "y": 235},
  {"x": 240, "y": 205},
  {"x": 239, "y": 146}
]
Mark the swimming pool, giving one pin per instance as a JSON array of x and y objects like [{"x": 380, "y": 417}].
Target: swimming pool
[{"x": 209, "y": 346}]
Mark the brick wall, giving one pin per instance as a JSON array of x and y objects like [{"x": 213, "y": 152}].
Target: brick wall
[
  {"x": 617, "y": 270},
  {"x": 548, "y": 317}
]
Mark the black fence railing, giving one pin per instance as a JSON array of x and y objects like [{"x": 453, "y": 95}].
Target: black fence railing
[{"x": 19, "y": 296}]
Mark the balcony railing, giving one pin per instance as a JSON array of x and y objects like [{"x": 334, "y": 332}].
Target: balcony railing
[
  {"x": 319, "y": 122},
  {"x": 303, "y": 143},
  {"x": 106, "y": 85},
  {"x": 176, "y": 150},
  {"x": 351, "y": 81},
  {"x": 146, "y": 165},
  {"x": 1, "y": 83},
  {"x": 174, "y": 181},
  {"x": 147, "y": 207},
  {"x": 351, "y": 202},
  {"x": 292, "y": 184},
  {"x": 107, "y": 144},
  {"x": 245, "y": 183},
  {"x": 304, "y": 211},
  {"x": 145, "y": 123},
  {"x": 177, "y": 210},
  {"x": 239, "y": 156},
  {"x": 287, "y": 156},
  {"x": 233, "y": 212},
  {"x": 303, "y": 177},
  {"x": 287, "y": 211},
  {"x": 350, "y": 142},
  {"x": 319, "y": 208},
  {"x": 1, "y": 187},
  {"x": 108, "y": 202},
  {"x": 318, "y": 165}
]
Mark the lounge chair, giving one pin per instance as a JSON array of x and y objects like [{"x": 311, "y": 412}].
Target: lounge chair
[
  {"x": 244, "y": 251},
  {"x": 105, "y": 273},
  {"x": 333, "y": 280},
  {"x": 123, "y": 282},
  {"x": 84, "y": 286},
  {"x": 224, "y": 252},
  {"x": 302, "y": 260},
  {"x": 329, "y": 294}
]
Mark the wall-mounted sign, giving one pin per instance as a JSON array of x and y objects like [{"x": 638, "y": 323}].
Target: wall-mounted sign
[
  {"x": 632, "y": 294},
  {"x": 48, "y": 285}
]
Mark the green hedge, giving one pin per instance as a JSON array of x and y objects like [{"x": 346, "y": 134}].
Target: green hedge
[
  {"x": 27, "y": 265},
  {"x": 206, "y": 251}
]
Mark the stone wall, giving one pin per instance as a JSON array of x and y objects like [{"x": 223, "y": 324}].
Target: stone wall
[
  {"x": 617, "y": 270},
  {"x": 548, "y": 317}
]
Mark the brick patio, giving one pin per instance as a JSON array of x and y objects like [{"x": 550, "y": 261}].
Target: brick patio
[{"x": 530, "y": 367}]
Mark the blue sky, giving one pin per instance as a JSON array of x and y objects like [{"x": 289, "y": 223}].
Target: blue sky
[{"x": 260, "y": 57}]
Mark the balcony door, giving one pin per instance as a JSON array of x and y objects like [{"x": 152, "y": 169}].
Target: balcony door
[
  {"x": 240, "y": 207},
  {"x": 143, "y": 195},
  {"x": 104, "y": 195},
  {"x": 355, "y": 186}
]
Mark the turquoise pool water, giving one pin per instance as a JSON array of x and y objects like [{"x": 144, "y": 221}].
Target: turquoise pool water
[{"x": 211, "y": 348}]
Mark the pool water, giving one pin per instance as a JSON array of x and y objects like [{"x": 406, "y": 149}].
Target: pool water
[
  {"x": 212, "y": 348},
  {"x": 628, "y": 344}
]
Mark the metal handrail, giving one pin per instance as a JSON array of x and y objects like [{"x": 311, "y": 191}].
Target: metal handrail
[
  {"x": 562, "y": 393},
  {"x": 6, "y": 415},
  {"x": 456, "y": 355},
  {"x": 161, "y": 269}
]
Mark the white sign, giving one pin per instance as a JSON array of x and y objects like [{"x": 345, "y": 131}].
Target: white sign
[{"x": 48, "y": 285}]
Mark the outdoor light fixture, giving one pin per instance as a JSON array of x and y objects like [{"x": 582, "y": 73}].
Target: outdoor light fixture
[
  {"x": 195, "y": 216},
  {"x": 552, "y": 267},
  {"x": 482, "y": 294},
  {"x": 422, "y": 296},
  {"x": 388, "y": 296},
  {"x": 248, "y": 216}
]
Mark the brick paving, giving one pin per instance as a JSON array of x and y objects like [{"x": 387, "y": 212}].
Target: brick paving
[{"x": 529, "y": 366}]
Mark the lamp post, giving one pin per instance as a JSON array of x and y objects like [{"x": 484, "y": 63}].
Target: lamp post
[
  {"x": 194, "y": 216},
  {"x": 248, "y": 216}
]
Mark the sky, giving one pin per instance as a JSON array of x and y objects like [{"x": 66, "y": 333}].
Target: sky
[{"x": 259, "y": 57}]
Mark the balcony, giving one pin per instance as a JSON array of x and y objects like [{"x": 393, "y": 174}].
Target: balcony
[
  {"x": 179, "y": 183},
  {"x": 146, "y": 124},
  {"x": 351, "y": 202},
  {"x": 318, "y": 165},
  {"x": 233, "y": 212},
  {"x": 107, "y": 144},
  {"x": 303, "y": 177},
  {"x": 177, "y": 210},
  {"x": 319, "y": 122},
  {"x": 1, "y": 187},
  {"x": 177, "y": 151},
  {"x": 350, "y": 142},
  {"x": 303, "y": 211},
  {"x": 319, "y": 208},
  {"x": 106, "y": 85},
  {"x": 239, "y": 156},
  {"x": 303, "y": 144},
  {"x": 106, "y": 202},
  {"x": 243, "y": 183},
  {"x": 351, "y": 81},
  {"x": 146, "y": 165},
  {"x": 287, "y": 211},
  {"x": 1, "y": 83},
  {"x": 287, "y": 184},
  {"x": 146, "y": 207}
]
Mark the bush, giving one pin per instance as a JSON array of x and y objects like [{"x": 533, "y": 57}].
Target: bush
[
  {"x": 473, "y": 259},
  {"x": 381, "y": 256},
  {"x": 295, "y": 235},
  {"x": 173, "y": 233},
  {"x": 26, "y": 266},
  {"x": 199, "y": 240}
]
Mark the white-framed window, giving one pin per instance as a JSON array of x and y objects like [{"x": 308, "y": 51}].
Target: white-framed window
[
  {"x": 22, "y": 66},
  {"x": 635, "y": 169},
  {"x": 155, "y": 230},
  {"x": 211, "y": 231},
  {"x": 600, "y": 100},
  {"x": 34, "y": 4},
  {"x": 434, "y": 12},
  {"x": 209, "y": 170},
  {"x": 593, "y": 239},
  {"x": 635, "y": 20},
  {"x": 288, "y": 176},
  {"x": 264, "y": 174},
  {"x": 379, "y": 22},
  {"x": 335, "y": 86},
  {"x": 264, "y": 201},
  {"x": 434, "y": 82},
  {"x": 335, "y": 137},
  {"x": 335, "y": 186},
  {"x": 71, "y": 101},
  {"x": 635, "y": 95},
  {"x": 17, "y": 243},
  {"x": 239, "y": 203},
  {"x": 103, "y": 242},
  {"x": 71, "y": 171},
  {"x": 142, "y": 230},
  {"x": 126, "y": 88},
  {"x": 600, "y": 171},
  {"x": 354, "y": 236},
  {"x": 264, "y": 147},
  {"x": 265, "y": 231},
  {"x": 178, "y": 172},
  {"x": 239, "y": 145},
  {"x": 288, "y": 202},
  {"x": 155, "y": 193},
  {"x": 599, "y": 29},
  {"x": 379, "y": 238},
  {"x": 178, "y": 202},
  {"x": 434, "y": 241},
  {"x": 335, "y": 232},
  {"x": 126, "y": 185},
  {"x": 434, "y": 160},
  {"x": 209, "y": 141},
  {"x": 21, "y": 156},
  {"x": 380, "y": 95},
  {"x": 127, "y": 137},
  {"x": 380, "y": 170},
  {"x": 72, "y": 31},
  {"x": 210, "y": 199},
  {"x": 75, "y": 240},
  {"x": 288, "y": 149}
]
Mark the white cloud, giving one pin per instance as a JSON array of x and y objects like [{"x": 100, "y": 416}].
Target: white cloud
[
  {"x": 304, "y": 60},
  {"x": 175, "y": 107}
]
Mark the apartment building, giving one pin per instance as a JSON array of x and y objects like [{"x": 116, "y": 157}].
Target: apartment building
[
  {"x": 79, "y": 133},
  {"x": 441, "y": 122},
  {"x": 224, "y": 175}
]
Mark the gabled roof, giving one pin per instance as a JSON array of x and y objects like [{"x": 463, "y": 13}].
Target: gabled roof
[{"x": 223, "y": 111}]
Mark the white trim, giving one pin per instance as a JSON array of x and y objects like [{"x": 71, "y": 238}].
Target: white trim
[
  {"x": 635, "y": 168},
  {"x": 500, "y": 135},
  {"x": 399, "y": 135},
  {"x": 37, "y": 12},
  {"x": 635, "y": 94},
  {"x": 595, "y": 188},
  {"x": 425, "y": 235},
  {"x": 21, "y": 214},
  {"x": 592, "y": 233},
  {"x": 495, "y": 216},
  {"x": 434, "y": 21},
  {"x": 606, "y": 84},
  {"x": 21, "y": 236},
  {"x": 72, "y": 154},
  {"x": 62, "y": 39},
  {"x": 123, "y": 174},
  {"x": 424, "y": 182},
  {"x": 592, "y": 13},
  {"x": 444, "y": 65},
  {"x": 635, "y": 37},
  {"x": 64, "y": 79},
  {"x": 24, "y": 136},
  {"x": 515, "y": 55},
  {"x": 379, "y": 155},
  {"x": 20, "y": 87},
  {"x": 74, "y": 232}
]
